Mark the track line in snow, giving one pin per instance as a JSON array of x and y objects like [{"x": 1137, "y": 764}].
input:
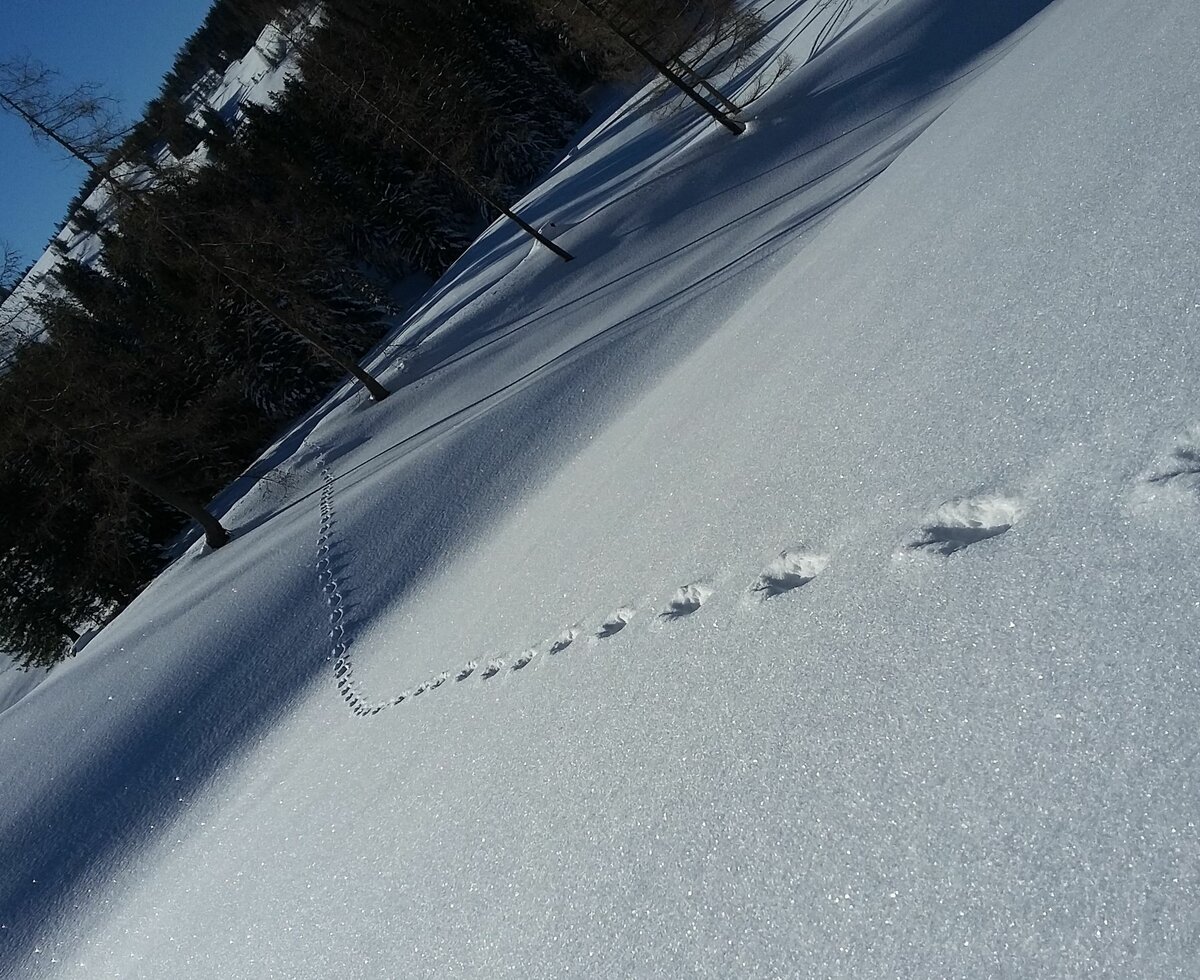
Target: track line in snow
[{"x": 789, "y": 571}]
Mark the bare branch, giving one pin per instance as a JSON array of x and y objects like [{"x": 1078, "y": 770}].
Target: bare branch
[{"x": 84, "y": 116}]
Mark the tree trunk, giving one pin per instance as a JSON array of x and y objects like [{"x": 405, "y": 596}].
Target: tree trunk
[
  {"x": 733, "y": 125},
  {"x": 214, "y": 531}
]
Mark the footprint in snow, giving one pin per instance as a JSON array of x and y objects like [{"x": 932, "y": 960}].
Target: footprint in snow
[
  {"x": 467, "y": 671},
  {"x": 962, "y": 522},
  {"x": 492, "y": 669},
  {"x": 616, "y": 622},
  {"x": 686, "y": 601},
  {"x": 564, "y": 640},
  {"x": 524, "y": 660},
  {"x": 1182, "y": 466},
  {"x": 792, "y": 569}
]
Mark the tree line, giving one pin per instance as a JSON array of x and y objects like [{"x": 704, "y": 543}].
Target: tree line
[{"x": 231, "y": 295}]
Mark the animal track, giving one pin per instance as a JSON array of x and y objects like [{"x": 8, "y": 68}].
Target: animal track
[
  {"x": 789, "y": 571},
  {"x": 616, "y": 622},
  {"x": 686, "y": 601},
  {"x": 962, "y": 522},
  {"x": 1183, "y": 467},
  {"x": 565, "y": 639},
  {"x": 955, "y": 525}
]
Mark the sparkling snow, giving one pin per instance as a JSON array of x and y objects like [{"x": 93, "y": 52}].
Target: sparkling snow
[{"x": 921, "y": 347}]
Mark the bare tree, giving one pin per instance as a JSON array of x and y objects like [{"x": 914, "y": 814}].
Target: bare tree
[
  {"x": 81, "y": 116},
  {"x": 27, "y": 92},
  {"x": 10, "y": 261},
  {"x": 17, "y": 324}
]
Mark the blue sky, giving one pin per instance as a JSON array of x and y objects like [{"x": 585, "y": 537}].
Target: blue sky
[{"x": 127, "y": 45}]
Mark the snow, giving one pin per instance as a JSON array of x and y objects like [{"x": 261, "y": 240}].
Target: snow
[{"x": 840, "y": 499}]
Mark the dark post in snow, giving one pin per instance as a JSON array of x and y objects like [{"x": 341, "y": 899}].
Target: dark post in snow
[{"x": 735, "y": 126}]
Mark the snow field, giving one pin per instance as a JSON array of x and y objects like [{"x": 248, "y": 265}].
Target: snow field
[{"x": 936, "y": 342}]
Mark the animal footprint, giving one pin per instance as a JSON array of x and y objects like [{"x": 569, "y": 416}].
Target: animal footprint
[
  {"x": 524, "y": 660},
  {"x": 792, "y": 569},
  {"x": 467, "y": 671},
  {"x": 686, "y": 601},
  {"x": 960, "y": 523},
  {"x": 492, "y": 669},
  {"x": 615, "y": 623},
  {"x": 565, "y": 639},
  {"x": 1183, "y": 466}
]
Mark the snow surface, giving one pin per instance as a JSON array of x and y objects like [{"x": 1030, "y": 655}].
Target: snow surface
[{"x": 838, "y": 504}]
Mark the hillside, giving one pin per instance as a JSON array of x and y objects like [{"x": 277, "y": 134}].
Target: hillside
[{"x": 801, "y": 582}]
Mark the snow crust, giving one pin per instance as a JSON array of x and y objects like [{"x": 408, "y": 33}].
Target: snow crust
[{"x": 945, "y": 284}]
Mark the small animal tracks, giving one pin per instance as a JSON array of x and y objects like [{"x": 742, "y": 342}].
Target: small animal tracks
[
  {"x": 1168, "y": 490},
  {"x": 1181, "y": 468},
  {"x": 615, "y": 622},
  {"x": 686, "y": 601},
  {"x": 564, "y": 639},
  {"x": 960, "y": 523},
  {"x": 789, "y": 571}
]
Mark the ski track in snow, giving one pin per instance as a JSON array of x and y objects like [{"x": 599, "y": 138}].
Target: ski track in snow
[{"x": 954, "y": 526}]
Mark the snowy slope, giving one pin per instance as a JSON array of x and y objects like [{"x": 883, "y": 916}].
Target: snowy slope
[{"x": 928, "y": 329}]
